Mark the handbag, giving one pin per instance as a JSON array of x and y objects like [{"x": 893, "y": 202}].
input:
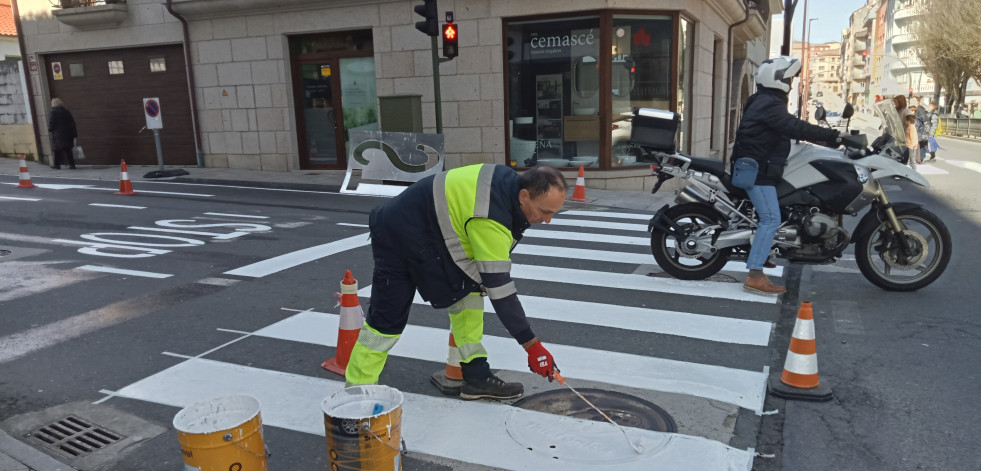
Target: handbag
[
  {"x": 932, "y": 145},
  {"x": 77, "y": 153},
  {"x": 744, "y": 173}
]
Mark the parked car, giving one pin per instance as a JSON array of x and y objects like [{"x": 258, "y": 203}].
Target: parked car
[{"x": 833, "y": 118}]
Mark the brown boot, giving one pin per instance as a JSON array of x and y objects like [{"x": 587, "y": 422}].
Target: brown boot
[{"x": 762, "y": 285}]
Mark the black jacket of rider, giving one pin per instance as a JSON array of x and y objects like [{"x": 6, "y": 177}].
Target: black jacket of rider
[{"x": 765, "y": 132}]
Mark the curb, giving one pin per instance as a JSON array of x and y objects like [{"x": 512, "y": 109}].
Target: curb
[
  {"x": 29, "y": 456},
  {"x": 255, "y": 184}
]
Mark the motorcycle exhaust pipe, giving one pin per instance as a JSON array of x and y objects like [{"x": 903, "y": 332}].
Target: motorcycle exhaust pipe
[{"x": 687, "y": 195}]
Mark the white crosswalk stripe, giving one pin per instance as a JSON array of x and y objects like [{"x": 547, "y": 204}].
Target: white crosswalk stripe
[{"x": 291, "y": 401}]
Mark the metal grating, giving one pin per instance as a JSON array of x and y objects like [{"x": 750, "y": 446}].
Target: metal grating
[{"x": 74, "y": 437}]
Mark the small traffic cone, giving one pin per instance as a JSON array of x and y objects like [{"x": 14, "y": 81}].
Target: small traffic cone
[
  {"x": 800, "y": 372},
  {"x": 349, "y": 327},
  {"x": 449, "y": 380},
  {"x": 579, "y": 193},
  {"x": 125, "y": 186},
  {"x": 25, "y": 176}
]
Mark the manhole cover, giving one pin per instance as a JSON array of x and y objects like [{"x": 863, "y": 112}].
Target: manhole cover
[
  {"x": 73, "y": 437},
  {"x": 720, "y": 277},
  {"x": 624, "y": 409}
]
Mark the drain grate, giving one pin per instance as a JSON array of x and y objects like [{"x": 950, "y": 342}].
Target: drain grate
[{"x": 74, "y": 437}]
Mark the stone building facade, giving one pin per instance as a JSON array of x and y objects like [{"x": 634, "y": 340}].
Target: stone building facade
[{"x": 279, "y": 87}]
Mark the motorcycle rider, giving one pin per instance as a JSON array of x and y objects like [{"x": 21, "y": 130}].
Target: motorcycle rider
[{"x": 764, "y": 135}]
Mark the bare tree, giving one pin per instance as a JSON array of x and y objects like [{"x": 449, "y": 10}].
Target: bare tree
[{"x": 949, "y": 44}]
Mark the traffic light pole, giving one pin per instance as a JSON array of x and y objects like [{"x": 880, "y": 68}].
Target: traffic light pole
[{"x": 436, "y": 96}]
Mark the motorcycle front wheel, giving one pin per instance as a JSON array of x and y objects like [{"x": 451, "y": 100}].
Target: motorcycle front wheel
[
  {"x": 881, "y": 258},
  {"x": 689, "y": 218}
]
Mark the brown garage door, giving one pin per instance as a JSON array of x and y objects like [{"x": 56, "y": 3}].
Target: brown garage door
[{"x": 104, "y": 90}]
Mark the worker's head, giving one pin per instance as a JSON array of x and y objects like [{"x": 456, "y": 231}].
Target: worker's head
[
  {"x": 778, "y": 73},
  {"x": 56, "y": 102},
  {"x": 542, "y": 193}
]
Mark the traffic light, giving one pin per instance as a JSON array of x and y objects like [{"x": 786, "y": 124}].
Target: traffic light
[
  {"x": 450, "y": 36},
  {"x": 428, "y": 11}
]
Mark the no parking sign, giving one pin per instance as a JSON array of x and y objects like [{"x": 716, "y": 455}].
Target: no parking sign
[{"x": 151, "y": 109}]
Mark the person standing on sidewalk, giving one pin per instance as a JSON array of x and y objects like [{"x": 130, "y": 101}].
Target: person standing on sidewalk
[
  {"x": 449, "y": 236},
  {"x": 61, "y": 125},
  {"x": 764, "y": 135},
  {"x": 934, "y": 124}
]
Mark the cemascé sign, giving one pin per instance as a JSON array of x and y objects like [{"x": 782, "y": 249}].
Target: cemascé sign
[{"x": 558, "y": 44}]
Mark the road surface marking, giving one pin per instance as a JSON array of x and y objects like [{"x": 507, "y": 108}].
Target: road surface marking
[
  {"x": 237, "y": 215},
  {"x": 966, "y": 164},
  {"x": 120, "y": 271},
  {"x": 708, "y": 289},
  {"x": 587, "y": 237},
  {"x": 351, "y": 225},
  {"x": 639, "y": 319},
  {"x": 293, "y": 225},
  {"x": 617, "y": 257},
  {"x": 617, "y": 226},
  {"x": 604, "y": 214},
  {"x": 431, "y": 424},
  {"x": 931, "y": 170},
  {"x": 19, "y": 199},
  {"x": 117, "y": 206},
  {"x": 218, "y": 281},
  {"x": 743, "y": 388},
  {"x": 293, "y": 259}
]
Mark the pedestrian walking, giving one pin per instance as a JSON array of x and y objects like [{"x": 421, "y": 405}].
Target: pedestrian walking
[
  {"x": 449, "y": 236},
  {"x": 932, "y": 144},
  {"x": 764, "y": 135},
  {"x": 922, "y": 126},
  {"x": 912, "y": 140},
  {"x": 61, "y": 125}
]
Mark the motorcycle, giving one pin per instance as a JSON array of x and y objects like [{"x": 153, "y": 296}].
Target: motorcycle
[{"x": 898, "y": 246}]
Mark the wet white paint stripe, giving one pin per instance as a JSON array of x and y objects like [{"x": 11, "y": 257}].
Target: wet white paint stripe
[
  {"x": 604, "y": 214},
  {"x": 140, "y": 191},
  {"x": 734, "y": 386},
  {"x": 965, "y": 164},
  {"x": 290, "y": 260},
  {"x": 586, "y": 237},
  {"x": 237, "y": 215},
  {"x": 351, "y": 225},
  {"x": 931, "y": 170},
  {"x": 441, "y": 426},
  {"x": 120, "y": 271},
  {"x": 709, "y": 289},
  {"x": 19, "y": 199},
  {"x": 617, "y": 257},
  {"x": 117, "y": 206},
  {"x": 638, "y": 319},
  {"x": 617, "y": 226}
]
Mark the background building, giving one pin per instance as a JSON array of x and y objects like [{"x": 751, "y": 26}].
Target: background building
[{"x": 16, "y": 130}]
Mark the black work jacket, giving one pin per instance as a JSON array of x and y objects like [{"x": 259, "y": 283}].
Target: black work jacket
[
  {"x": 61, "y": 125},
  {"x": 765, "y": 132}
]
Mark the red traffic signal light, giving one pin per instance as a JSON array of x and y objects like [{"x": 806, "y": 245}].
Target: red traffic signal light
[{"x": 450, "y": 37}]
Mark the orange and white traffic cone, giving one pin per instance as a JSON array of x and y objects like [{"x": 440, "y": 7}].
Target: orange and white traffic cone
[
  {"x": 800, "y": 371},
  {"x": 349, "y": 327},
  {"x": 25, "y": 176},
  {"x": 579, "y": 193},
  {"x": 125, "y": 186},
  {"x": 449, "y": 380}
]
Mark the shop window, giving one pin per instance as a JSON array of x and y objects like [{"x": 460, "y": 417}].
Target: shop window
[
  {"x": 158, "y": 64},
  {"x": 640, "y": 77},
  {"x": 554, "y": 92},
  {"x": 76, "y": 70},
  {"x": 115, "y": 67}
]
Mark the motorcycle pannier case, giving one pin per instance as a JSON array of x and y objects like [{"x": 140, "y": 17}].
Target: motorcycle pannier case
[{"x": 655, "y": 129}]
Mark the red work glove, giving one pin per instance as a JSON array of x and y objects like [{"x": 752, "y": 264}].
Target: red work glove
[{"x": 540, "y": 361}]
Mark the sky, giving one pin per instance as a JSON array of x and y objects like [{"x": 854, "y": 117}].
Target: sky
[{"x": 832, "y": 17}]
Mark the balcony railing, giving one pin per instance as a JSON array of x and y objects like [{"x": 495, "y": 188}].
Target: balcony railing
[
  {"x": 87, "y": 3},
  {"x": 909, "y": 12},
  {"x": 904, "y": 38},
  {"x": 89, "y": 14}
]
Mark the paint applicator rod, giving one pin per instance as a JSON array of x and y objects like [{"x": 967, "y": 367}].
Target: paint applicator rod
[{"x": 561, "y": 379}]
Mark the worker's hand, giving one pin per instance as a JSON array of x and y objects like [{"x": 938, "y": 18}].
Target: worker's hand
[{"x": 540, "y": 361}]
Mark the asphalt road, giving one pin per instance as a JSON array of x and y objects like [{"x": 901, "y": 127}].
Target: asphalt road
[{"x": 129, "y": 308}]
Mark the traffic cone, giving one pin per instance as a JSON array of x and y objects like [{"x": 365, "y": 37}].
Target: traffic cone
[
  {"x": 125, "y": 186},
  {"x": 449, "y": 380},
  {"x": 349, "y": 327},
  {"x": 579, "y": 193},
  {"x": 25, "y": 176},
  {"x": 800, "y": 372}
]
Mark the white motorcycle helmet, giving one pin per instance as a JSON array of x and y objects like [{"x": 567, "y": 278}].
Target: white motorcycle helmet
[{"x": 777, "y": 73}]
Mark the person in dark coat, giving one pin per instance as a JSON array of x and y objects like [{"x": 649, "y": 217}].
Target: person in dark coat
[
  {"x": 764, "y": 135},
  {"x": 61, "y": 125}
]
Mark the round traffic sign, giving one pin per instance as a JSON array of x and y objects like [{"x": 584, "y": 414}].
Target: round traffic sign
[{"x": 152, "y": 108}]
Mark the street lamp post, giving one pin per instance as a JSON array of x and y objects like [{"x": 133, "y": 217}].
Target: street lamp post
[
  {"x": 803, "y": 37},
  {"x": 807, "y": 64}
]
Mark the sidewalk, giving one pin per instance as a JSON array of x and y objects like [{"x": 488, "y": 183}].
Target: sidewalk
[{"x": 311, "y": 180}]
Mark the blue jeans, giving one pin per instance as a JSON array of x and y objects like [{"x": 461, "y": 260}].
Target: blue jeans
[
  {"x": 767, "y": 205},
  {"x": 923, "y": 153}
]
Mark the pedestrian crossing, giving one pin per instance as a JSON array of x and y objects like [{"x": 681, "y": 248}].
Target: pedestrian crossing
[{"x": 540, "y": 267}]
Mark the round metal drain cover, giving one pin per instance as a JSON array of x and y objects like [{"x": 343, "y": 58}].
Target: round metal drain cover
[{"x": 624, "y": 409}]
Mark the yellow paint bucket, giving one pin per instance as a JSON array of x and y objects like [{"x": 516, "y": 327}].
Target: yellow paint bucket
[
  {"x": 222, "y": 434},
  {"x": 364, "y": 429}
]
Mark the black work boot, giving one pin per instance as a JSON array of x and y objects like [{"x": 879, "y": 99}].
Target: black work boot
[{"x": 480, "y": 383}]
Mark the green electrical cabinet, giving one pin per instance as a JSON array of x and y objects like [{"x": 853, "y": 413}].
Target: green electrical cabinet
[{"x": 401, "y": 113}]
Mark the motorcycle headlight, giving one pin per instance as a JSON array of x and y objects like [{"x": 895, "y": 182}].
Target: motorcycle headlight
[{"x": 863, "y": 174}]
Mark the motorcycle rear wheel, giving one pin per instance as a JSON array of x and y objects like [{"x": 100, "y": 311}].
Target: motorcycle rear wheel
[
  {"x": 881, "y": 260},
  {"x": 689, "y": 218}
]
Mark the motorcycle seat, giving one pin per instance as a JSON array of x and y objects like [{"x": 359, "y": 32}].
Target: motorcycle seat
[{"x": 713, "y": 166}]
